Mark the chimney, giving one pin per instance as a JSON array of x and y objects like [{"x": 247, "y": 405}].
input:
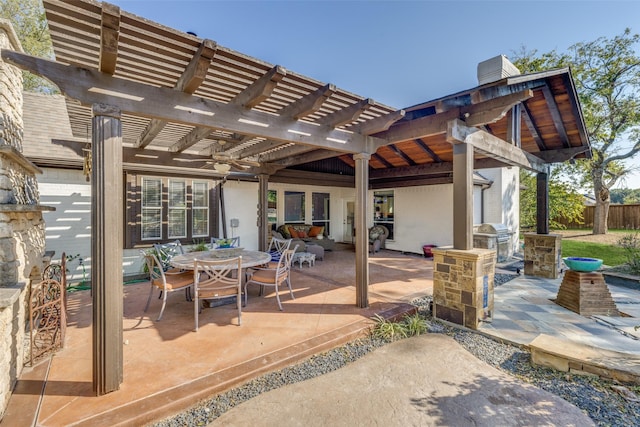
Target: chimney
[{"x": 494, "y": 69}]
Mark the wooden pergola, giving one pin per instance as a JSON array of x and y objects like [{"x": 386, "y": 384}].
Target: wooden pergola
[{"x": 156, "y": 96}]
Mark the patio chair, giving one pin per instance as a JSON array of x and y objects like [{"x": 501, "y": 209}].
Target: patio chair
[
  {"x": 276, "y": 249},
  {"x": 165, "y": 282},
  {"x": 273, "y": 277},
  {"x": 223, "y": 242},
  {"x": 215, "y": 279},
  {"x": 166, "y": 251}
]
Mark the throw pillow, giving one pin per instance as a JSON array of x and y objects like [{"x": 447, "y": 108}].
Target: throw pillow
[
  {"x": 315, "y": 231},
  {"x": 302, "y": 234},
  {"x": 293, "y": 232}
]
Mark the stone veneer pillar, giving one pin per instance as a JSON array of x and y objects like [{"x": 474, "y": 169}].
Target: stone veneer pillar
[
  {"x": 22, "y": 234},
  {"x": 542, "y": 254},
  {"x": 463, "y": 285}
]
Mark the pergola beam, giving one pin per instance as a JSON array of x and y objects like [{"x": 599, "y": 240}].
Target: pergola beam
[
  {"x": 260, "y": 89},
  {"x": 90, "y": 86},
  {"x": 307, "y": 157},
  {"x": 188, "y": 82},
  {"x": 555, "y": 115},
  {"x": 293, "y": 150},
  {"x": 109, "y": 35},
  {"x": 348, "y": 114},
  {"x": 477, "y": 114},
  {"x": 259, "y": 148},
  {"x": 402, "y": 155},
  {"x": 533, "y": 127},
  {"x": 308, "y": 104},
  {"x": 492, "y": 146},
  {"x": 197, "y": 134},
  {"x": 428, "y": 150},
  {"x": 379, "y": 124}
]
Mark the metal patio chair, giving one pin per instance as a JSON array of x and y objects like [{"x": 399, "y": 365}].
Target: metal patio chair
[
  {"x": 166, "y": 283},
  {"x": 273, "y": 277},
  {"x": 216, "y": 279}
]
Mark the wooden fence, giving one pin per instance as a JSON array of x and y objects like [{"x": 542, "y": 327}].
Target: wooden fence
[{"x": 620, "y": 217}]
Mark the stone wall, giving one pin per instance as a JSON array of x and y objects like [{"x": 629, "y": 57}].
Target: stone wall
[
  {"x": 463, "y": 285},
  {"x": 22, "y": 236}
]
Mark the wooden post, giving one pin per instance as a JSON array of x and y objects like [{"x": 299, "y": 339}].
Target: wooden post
[
  {"x": 462, "y": 196},
  {"x": 263, "y": 223},
  {"x": 513, "y": 126},
  {"x": 362, "y": 236},
  {"x": 542, "y": 204},
  {"x": 106, "y": 248}
]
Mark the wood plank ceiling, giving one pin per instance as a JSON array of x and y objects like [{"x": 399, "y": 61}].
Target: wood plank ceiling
[{"x": 407, "y": 145}]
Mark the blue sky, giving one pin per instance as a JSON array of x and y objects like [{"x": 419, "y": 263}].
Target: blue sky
[{"x": 399, "y": 53}]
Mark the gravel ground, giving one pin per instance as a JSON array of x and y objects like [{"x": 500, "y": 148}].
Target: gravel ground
[{"x": 597, "y": 397}]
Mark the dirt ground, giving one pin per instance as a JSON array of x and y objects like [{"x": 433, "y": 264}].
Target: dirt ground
[{"x": 586, "y": 236}]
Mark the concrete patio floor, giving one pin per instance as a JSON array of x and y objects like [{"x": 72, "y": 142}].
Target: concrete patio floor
[{"x": 168, "y": 367}]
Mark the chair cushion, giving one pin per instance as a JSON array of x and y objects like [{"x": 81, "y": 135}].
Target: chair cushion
[
  {"x": 264, "y": 276},
  {"x": 176, "y": 281}
]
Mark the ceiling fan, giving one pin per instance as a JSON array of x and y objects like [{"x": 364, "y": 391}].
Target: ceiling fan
[{"x": 223, "y": 163}]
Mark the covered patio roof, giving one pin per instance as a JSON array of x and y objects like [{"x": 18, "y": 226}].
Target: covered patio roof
[
  {"x": 250, "y": 110},
  {"x": 153, "y": 96}
]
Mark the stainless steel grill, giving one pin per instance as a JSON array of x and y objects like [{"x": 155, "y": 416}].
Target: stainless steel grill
[{"x": 497, "y": 237}]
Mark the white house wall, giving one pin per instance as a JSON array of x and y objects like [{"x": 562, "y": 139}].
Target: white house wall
[
  {"x": 502, "y": 199},
  {"x": 422, "y": 215},
  {"x": 241, "y": 203},
  {"x": 68, "y": 228}
]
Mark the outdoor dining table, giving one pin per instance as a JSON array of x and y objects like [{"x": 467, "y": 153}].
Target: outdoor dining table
[{"x": 249, "y": 258}]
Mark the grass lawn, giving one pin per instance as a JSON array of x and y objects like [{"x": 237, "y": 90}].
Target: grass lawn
[{"x": 610, "y": 255}]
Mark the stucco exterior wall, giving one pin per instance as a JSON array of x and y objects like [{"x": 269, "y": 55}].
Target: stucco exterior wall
[
  {"x": 422, "y": 215},
  {"x": 502, "y": 200}
]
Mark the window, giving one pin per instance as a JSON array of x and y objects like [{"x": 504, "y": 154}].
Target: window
[
  {"x": 151, "y": 209},
  {"x": 177, "y": 209},
  {"x": 384, "y": 210},
  {"x": 272, "y": 208},
  {"x": 294, "y": 207},
  {"x": 168, "y": 209},
  {"x": 320, "y": 210},
  {"x": 200, "y": 209}
]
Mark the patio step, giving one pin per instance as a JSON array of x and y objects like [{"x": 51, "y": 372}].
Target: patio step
[
  {"x": 24, "y": 404},
  {"x": 174, "y": 400},
  {"x": 582, "y": 359}
]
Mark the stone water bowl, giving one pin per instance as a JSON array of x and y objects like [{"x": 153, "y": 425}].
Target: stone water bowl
[{"x": 583, "y": 265}]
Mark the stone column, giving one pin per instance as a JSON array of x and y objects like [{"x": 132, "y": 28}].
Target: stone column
[
  {"x": 463, "y": 285},
  {"x": 22, "y": 235},
  {"x": 542, "y": 254}
]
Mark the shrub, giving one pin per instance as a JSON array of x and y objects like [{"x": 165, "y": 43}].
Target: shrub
[
  {"x": 390, "y": 331},
  {"x": 631, "y": 245}
]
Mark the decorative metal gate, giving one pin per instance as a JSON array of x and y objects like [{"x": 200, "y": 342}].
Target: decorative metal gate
[{"x": 47, "y": 314}]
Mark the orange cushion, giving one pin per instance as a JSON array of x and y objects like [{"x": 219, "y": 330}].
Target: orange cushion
[
  {"x": 315, "y": 231},
  {"x": 293, "y": 232},
  {"x": 264, "y": 276},
  {"x": 302, "y": 234}
]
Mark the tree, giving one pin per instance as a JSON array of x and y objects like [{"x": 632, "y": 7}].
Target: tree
[
  {"x": 30, "y": 24},
  {"x": 566, "y": 205},
  {"x": 607, "y": 76}
]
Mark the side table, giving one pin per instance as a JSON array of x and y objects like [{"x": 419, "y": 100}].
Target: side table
[{"x": 302, "y": 257}]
